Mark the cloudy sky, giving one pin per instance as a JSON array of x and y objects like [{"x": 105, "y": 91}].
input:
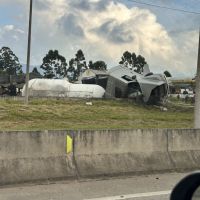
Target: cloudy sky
[{"x": 104, "y": 29}]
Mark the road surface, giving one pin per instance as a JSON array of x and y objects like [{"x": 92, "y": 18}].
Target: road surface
[{"x": 147, "y": 187}]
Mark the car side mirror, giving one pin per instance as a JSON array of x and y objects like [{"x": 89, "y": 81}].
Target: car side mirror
[{"x": 188, "y": 188}]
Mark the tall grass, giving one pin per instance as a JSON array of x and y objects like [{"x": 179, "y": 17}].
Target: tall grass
[{"x": 103, "y": 114}]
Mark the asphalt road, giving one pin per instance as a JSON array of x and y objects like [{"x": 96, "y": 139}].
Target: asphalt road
[{"x": 151, "y": 187}]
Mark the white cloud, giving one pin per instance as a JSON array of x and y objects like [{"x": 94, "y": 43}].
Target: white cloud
[
  {"x": 18, "y": 30},
  {"x": 8, "y": 27},
  {"x": 186, "y": 54},
  {"x": 8, "y": 31},
  {"x": 104, "y": 30},
  {"x": 14, "y": 37}
]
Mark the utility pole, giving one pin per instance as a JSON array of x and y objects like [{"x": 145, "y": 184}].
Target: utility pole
[
  {"x": 197, "y": 92},
  {"x": 28, "y": 53}
]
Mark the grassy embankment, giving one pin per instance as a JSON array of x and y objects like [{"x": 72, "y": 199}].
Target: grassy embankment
[{"x": 103, "y": 114}]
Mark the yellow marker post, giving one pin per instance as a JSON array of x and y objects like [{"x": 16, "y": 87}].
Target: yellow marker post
[{"x": 69, "y": 144}]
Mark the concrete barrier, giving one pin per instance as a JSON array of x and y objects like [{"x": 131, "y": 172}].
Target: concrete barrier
[
  {"x": 100, "y": 153},
  {"x": 184, "y": 148},
  {"x": 33, "y": 156},
  {"x": 114, "y": 152}
]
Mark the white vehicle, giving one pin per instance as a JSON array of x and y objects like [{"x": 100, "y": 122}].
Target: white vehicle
[
  {"x": 186, "y": 93},
  {"x": 62, "y": 88}
]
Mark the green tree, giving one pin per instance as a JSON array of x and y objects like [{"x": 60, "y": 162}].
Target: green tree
[
  {"x": 79, "y": 56},
  {"x": 35, "y": 71},
  {"x": 132, "y": 61},
  {"x": 54, "y": 65},
  {"x": 167, "y": 74},
  {"x": 90, "y": 64},
  {"x": 80, "y": 62},
  {"x": 98, "y": 65},
  {"x": 9, "y": 62},
  {"x": 126, "y": 59},
  {"x": 76, "y": 66},
  {"x": 71, "y": 71},
  {"x": 139, "y": 64}
]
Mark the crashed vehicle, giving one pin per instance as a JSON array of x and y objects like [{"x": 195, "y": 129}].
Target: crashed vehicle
[
  {"x": 91, "y": 76},
  {"x": 12, "y": 84},
  {"x": 149, "y": 88},
  {"x": 62, "y": 88}
]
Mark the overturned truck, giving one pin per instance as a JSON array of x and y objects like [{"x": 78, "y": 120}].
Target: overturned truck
[
  {"x": 147, "y": 87},
  {"x": 62, "y": 88}
]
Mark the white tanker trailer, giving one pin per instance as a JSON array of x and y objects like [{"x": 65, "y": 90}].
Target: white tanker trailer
[{"x": 62, "y": 88}]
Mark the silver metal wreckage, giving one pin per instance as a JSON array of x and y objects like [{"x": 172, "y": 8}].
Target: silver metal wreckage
[{"x": 149, "y": 88}]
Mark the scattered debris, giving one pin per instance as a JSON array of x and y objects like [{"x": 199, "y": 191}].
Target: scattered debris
[
  {"x": 89, "y": 103},
  {"x": 164, "y": 109}
]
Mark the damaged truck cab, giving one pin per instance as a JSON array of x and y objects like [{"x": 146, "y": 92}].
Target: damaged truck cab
[{"x": 147, "y": 87}]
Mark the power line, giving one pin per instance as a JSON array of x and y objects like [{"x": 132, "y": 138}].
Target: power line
[{"x": 165, "y": 7}]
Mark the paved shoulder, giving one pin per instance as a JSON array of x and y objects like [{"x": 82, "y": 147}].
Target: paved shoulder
[{"x": 151, "y": 187}]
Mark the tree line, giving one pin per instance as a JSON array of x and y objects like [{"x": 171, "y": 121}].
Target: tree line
[{"x": 55, "y": 65}]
